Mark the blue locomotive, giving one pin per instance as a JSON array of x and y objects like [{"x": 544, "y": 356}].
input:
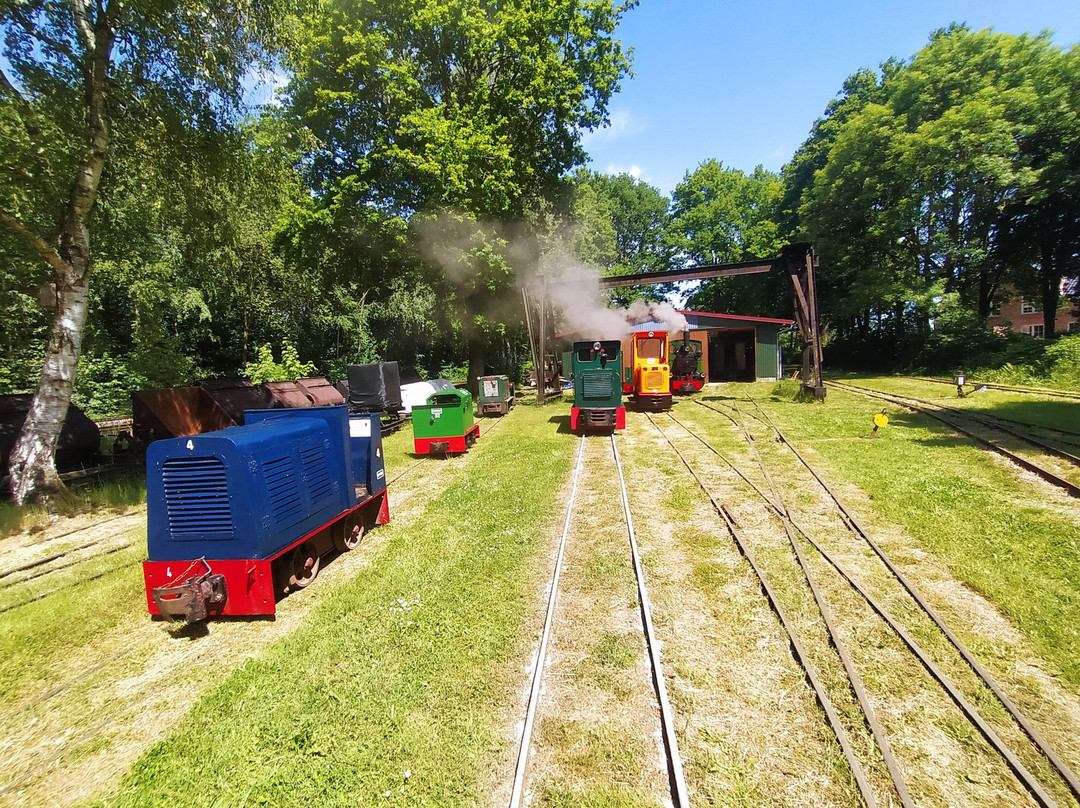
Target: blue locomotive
[{"x": 238, "y": 516}]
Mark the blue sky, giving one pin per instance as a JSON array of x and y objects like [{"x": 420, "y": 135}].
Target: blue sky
[{"x": 742, "y": 82}]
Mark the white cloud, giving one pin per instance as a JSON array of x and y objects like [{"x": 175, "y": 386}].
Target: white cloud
[
  {"x": 633, "y": 171},
  {"x": 622, "y": 124}
]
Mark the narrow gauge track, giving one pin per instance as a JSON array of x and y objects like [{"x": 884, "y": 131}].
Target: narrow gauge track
[
  {"x": 676, "y": 776},
  {"x": 775, "y": 503},
  {"x": 986, "y": 419},
  {"x": 69, "y": 564},
  {"x": 110, "y": 550},
  {"x": 928, "y": 409},
  {"x": 1033, "y": 391}
]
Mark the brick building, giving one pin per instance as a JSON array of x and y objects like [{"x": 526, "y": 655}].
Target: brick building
[{"x": 1026, "y": 317}]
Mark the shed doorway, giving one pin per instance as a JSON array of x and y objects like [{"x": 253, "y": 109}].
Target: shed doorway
[{"x": 731, "y": 355}]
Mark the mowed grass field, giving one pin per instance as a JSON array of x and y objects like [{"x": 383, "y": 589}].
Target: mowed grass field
[
  {"x": 1007, "y": 535},
  {"x": 403, "y": 684}
]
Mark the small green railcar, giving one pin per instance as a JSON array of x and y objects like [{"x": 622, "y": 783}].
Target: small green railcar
[
  {"x": 444, "y": 423},
  {"x": 495, "y": 395},
  {"x": 597, "y": 387}
]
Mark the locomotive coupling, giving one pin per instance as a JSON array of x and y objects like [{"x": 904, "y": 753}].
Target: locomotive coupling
[{"x": 192, "y": 600}]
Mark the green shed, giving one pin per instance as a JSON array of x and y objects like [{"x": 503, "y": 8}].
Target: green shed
[
  {"x": 738, "y": 348},
  {"x": 734, "y": 348}
]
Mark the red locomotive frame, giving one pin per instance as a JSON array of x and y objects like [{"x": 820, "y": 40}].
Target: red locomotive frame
[
  {"x": 450, "y": 444},
  {"x": 575, "y": 417},
  {"x": 252, "y": 589}
]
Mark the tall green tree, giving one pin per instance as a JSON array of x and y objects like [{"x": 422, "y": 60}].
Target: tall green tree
[
  {"x": 915, "y": 196},
  {"x": 859, "y": 89},
  {"x": 1040, "y": 235},
  {"x": 459, "y": 112},
  {"x": 620, "y": 225},
  {"x": 72, "y": 72},
  {"x": 188, "y": 278},
  {"x": 723, "y": 215}
]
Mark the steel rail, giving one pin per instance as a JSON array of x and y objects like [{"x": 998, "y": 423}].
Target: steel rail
[
  {"x": 667, "y": 721},
  {"x": 973, "y": 715},
  {"x": 1034, "y": 391},
  {"x": 830, "y": 624},
  {"x": 984, "y": 419},
  {"x": 42, "y": 595},
  {"x": 1029, "y": 424},
  {"x": 41, "y": 561},
  {"x": 1071, "y": 488},
  {"x": 59, "y": 536},
  {"x": 797, "y": 647},
  {"x": 987, "y": 678},
  {"x": 69, "y": 565},
  {"x": 518, "y": 790}
]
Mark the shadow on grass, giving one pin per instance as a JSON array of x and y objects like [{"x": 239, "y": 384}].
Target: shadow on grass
[{"x": 563, "y": 422}]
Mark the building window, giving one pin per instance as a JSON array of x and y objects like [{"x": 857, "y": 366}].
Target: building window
[
  {"x": 1074, "y": 326},
  {"x": 995, "y": 309},
  {"x": 1027, "y": 307},
  {"x": 1037, "y": 331}
]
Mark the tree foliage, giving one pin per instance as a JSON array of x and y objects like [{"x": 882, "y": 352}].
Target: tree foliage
[
  {"x": 721, "y": 216},
  {"x": 619, "y": 224},
  {"x": 76, "y": 77},
  {"x": 951, "y": 174},
  {"x": 447, "y": 121}
]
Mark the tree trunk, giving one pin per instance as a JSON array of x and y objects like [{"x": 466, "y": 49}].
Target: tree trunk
[
  {"x": 32, "y": 464},
  {"x": 1050, "y": 287},
  {"x": 33, "y": 467}
]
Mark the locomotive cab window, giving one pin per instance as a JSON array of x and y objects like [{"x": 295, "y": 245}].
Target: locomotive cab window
[
  {"x": 589, "y": 352},
  {"x": 447, "y": 399},
  {"x": 651, "y": 348}
]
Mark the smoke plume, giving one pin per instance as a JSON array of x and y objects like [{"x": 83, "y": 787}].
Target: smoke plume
[{"x": 574, "y": 289}]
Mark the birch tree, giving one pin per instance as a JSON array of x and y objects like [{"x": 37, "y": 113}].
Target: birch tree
[{"x": 71, "y": 73}]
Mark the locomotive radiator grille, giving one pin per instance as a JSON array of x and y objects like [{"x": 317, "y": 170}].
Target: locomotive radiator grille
[
  {"x": 600, "y": 418},
  {"x": 653, "y": 379},
  {"x": 316, "y": 473},
  {"x": 197, "y": 496},
  {"x": 596, "y": 385},
  {"x": 281, "y": 488}
]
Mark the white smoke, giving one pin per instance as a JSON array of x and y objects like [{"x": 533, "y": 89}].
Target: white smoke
[
  {"x": 642, "y": 311},
  {"x": 455, "y": 243},
  {"x": 574, "y": 289}
]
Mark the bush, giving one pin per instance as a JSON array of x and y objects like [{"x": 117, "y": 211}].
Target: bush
[
  {"x": 290, "y": 368},
  {"x": 1063, "y": 361}
]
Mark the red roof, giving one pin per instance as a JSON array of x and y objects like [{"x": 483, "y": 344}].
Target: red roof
[{"x": 737, "y": 317}]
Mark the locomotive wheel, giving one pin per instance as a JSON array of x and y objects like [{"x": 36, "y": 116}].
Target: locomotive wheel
[
  {"x": 305, "y": 566},
  {"x": 351, "y": 534}
]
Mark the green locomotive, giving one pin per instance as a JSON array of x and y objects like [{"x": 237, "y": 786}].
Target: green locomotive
[
  {"x": 444, "y": 424},
  {"x": 597, "y": 387}
]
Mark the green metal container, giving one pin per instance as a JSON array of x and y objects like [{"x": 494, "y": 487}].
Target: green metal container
[
  {"x": 495, "y": 395},
  {"x": 444, "y": 423}
]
